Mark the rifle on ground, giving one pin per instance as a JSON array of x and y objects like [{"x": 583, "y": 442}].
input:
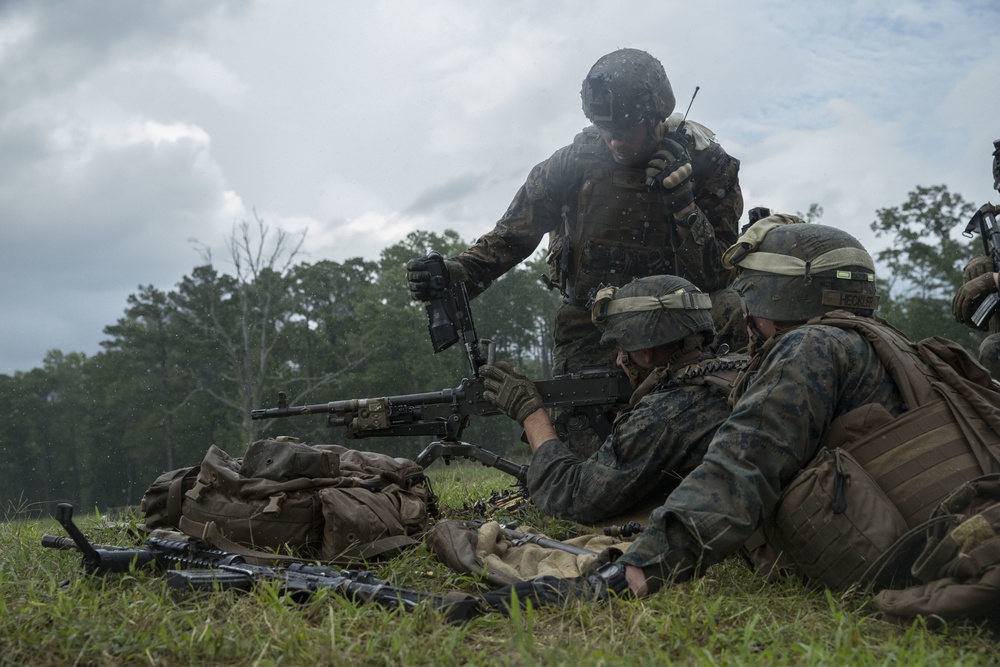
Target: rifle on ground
[
  {"x": 984, "y": 221},
  {"x": 191, "y": 565},
  {"x": 445, "y": 414}
]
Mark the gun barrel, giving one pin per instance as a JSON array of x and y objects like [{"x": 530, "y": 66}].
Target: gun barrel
[
  {"x": 354, "y": 406},
  {"x": 517, "y": 537}
]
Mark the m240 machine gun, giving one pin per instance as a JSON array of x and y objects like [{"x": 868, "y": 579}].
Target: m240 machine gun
[{"x": 445, "y": 414}]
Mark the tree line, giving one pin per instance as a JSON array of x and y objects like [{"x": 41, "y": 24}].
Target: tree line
[{"x": 181, "y": 370}]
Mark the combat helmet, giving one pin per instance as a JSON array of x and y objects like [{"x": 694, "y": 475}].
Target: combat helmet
[
  {"x": 652, "y": 311},
  {"x": 794, "y": 272},
  {"x": 626, "y": 87}
]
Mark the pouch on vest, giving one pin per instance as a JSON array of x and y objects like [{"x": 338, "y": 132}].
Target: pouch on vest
[
  {"x": 833, "y": 521},
  {"x": 320, "y": 502}
]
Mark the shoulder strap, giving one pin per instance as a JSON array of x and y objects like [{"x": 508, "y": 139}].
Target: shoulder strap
[{"x": 912, "y": 375}]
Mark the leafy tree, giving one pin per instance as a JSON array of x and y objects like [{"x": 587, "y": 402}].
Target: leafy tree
[
  {"x": 925, "y": 263},
  {"x": 813, "y": 214},
  {"x": 143, "y": 346}
]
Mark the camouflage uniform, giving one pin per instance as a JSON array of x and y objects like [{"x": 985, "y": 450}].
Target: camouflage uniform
[
  {"x": 806, "y": 377},
  {"x": 654, "y": 444},
  {"x": 581, "y": 187}
]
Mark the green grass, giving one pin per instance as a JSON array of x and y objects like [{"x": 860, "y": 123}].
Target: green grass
[{"x": 729, "y": 617}]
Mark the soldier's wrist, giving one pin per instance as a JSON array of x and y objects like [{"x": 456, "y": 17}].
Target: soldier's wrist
[{"x": 683, "y": 215}]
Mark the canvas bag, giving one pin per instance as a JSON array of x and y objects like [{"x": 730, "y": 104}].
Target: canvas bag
[
  {"x": 322, "y": 502},
  {"x": 482, "y": 548}
]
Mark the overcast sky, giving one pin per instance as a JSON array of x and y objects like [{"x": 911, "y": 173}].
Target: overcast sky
[{"x": 134, "y": 133}]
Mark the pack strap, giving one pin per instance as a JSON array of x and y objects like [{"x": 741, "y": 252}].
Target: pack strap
[
  {"x": 209, "y": 533},
  {"x": 175, "y": 495}
]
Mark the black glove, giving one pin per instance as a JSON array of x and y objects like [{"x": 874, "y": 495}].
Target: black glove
[
  {"x": 426, "y": 277},
  {"x": 670, "y": 169},
  {"x": 510, "y": 391}
]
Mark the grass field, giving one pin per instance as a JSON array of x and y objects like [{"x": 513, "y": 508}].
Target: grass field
[{"x": 729, "y": 617}]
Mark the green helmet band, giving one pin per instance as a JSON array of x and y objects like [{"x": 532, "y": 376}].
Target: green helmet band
[{"x": 652, "y": 311}]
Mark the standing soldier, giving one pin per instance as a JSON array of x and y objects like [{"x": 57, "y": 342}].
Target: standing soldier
[
  {"x": 978, "y": 281},
  {"x": 606, "y": 226}
]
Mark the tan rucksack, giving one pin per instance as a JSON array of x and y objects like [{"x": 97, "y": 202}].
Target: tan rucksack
[{"x": 322, "y": 502}]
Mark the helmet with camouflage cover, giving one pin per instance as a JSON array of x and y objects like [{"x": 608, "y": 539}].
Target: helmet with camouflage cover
[
  {"x": 652, "y": 311},
  {"x": 626, "y": 87},
  {"x": 794, "y": 272}
]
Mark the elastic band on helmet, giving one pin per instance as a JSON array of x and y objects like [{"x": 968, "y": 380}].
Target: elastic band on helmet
[
  {"x": 605, "y": 305},
  {"x": 786, "y": 265}
]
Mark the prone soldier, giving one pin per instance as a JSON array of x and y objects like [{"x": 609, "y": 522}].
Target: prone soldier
[
  {"x": 660, "y": 327},
  {"x": 824, "y": 386}
]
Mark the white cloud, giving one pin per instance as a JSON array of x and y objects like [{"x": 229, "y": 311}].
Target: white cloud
[{"x": 127, "y": 129}]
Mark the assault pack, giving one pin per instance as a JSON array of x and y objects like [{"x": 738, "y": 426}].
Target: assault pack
[{"x": 285, "y": 499}]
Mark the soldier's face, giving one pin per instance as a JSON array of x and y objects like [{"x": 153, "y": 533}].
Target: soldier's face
[
  {"x": 760, "y": 327},
  {"x": 632, "y": 146},
  {"x": 635, "y": 364}
]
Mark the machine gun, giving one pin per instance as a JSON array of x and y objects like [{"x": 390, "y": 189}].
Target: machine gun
[
  {"x": 445, "y": 414},
  {"x": 192, "y": 565},
  {"x": 984, "y": 221}
]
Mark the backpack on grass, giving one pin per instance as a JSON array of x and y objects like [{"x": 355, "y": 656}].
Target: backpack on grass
[{"x": 318, "y": 502}]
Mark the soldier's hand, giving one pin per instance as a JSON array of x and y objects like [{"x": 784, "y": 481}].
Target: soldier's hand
[
  {"x": 970, "y": 295},
  {"x": 510, "y": 391},
  {"x": 670, "y": 168},
  {"x": 426, "y": 277},
  {"x": 976, "y": 267}
]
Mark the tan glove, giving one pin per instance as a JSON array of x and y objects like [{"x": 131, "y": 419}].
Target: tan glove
[
  {"x": 510, "y": 391},
  {"x": 969, "y": 296},
  {"x": 976, "y": 267}
]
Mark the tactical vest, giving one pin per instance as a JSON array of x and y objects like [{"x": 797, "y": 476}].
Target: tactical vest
[
  {"x": 950, "y": 433},
  {"x": 621, "y": 229},
  {"x": 876, "y": 475}
]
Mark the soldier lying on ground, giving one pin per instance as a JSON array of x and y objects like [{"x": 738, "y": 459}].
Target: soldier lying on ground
[
  {"x": 824, "y": 371},
  {"x": 660, "y": 327}
]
